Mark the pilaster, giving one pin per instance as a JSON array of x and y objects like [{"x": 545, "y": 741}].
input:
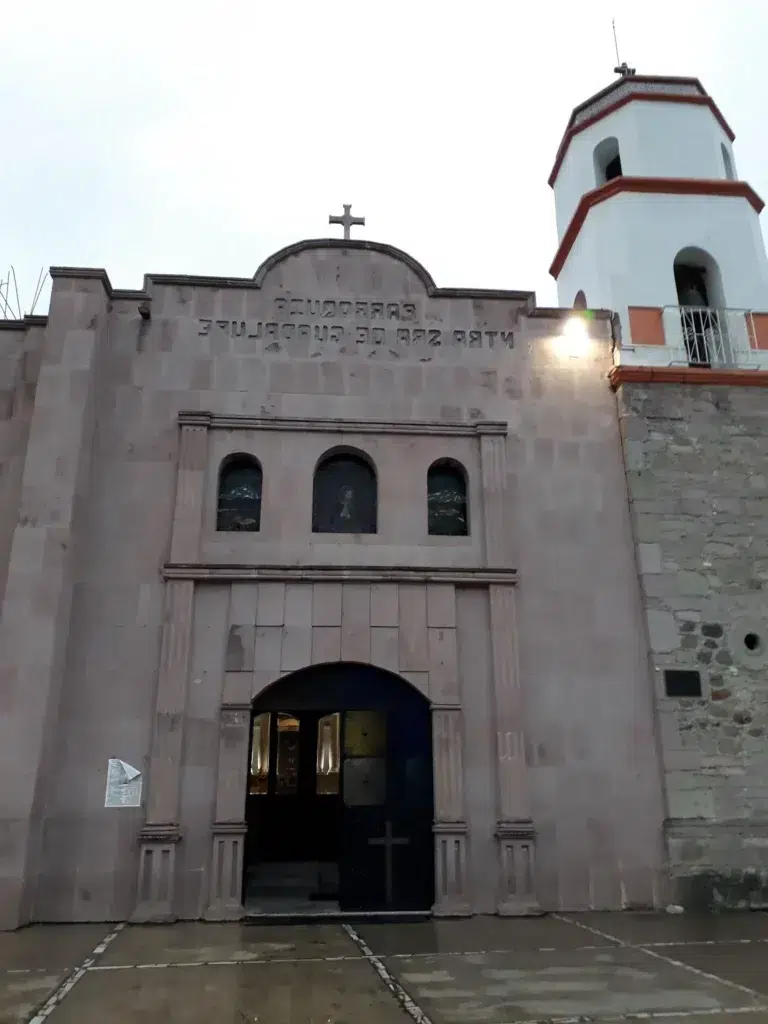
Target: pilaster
[
  {"x": 229, "y": 828},
  {"x": 494, "y": 479},
  {"x": 167, "y": 743},
  {"x": 450, "y": 827},
  {"x": 514, "y": 828},
  {"x": 190, "y": 488},
  {"x": 159, "y": 837},
  {"x": 34, "y": 624}
]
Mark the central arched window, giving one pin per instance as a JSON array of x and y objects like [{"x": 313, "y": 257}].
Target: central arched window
[
  {"x": 344, "y": 496},
  {"x": 447, "y": 510},
  {"x": 239, "y": 504}
]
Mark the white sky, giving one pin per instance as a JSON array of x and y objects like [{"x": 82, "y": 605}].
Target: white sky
[{"x": 200, "y": 137}]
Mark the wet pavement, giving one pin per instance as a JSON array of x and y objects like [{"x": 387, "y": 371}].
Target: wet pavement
[{"x": 597, "y": 967}]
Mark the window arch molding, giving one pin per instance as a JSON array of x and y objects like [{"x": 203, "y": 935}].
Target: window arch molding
[
  {"x": 239, "y": 485},
  {"x": 344, "y": 492},
  {"x": 447, "y": 499}
]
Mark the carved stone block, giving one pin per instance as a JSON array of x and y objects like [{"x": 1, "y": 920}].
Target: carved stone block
[
  {"x": 225, "y": 903},
  {"x": 517, "y": 869},
  {"x": 157, "y": 874},
  {"x": 451, "y": 897}
]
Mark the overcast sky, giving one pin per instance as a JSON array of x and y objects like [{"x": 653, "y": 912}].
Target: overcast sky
[{"x": 191, "y": 137}]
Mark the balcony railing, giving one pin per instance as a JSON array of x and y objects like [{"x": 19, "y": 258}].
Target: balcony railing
[{"x": 698, "y": 336}]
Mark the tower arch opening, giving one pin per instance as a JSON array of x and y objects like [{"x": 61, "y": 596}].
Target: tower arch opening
[
  {"x": 702, "y": 300},
  {"x": 607, "y": 160},
  {"x": 340, "y": 800}
]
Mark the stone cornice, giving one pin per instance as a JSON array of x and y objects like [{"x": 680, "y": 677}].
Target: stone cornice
[
  {"x": 696, "y": 375},
  {"x": 33, "y": 320},
  {"x": 450, "y": 828},
  {"x": 217, "y": 573},
  {"x": 169, "y": 833},
  {"x": 526, "y": 298},
  {"x": 515, "y": 830},
  {"x": 229, "y": 828},
  {"x": 566, "y": 312},
  {"x": 338, "y": 426}
]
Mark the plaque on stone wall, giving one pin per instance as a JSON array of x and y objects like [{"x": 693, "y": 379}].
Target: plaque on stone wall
[
  {"x": 365, "y": 734},
  {"x": 123, "y": 784},
  {"x": 365, "y": 781}
]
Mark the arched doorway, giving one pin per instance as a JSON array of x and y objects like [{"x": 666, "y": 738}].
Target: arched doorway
[
  {"x": 702, "y": 304},
  {"x": 340, "y": 798}
]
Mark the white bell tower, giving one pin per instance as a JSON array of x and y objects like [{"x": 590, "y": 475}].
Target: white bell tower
[{"x": 651, "y": 216}]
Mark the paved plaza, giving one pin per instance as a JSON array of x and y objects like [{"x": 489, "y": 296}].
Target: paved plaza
[{"x": 595, "y": 967}]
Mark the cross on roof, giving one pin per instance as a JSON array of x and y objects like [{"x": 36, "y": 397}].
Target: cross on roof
[
  {"x": 347, "y": 220},
  {"x": 624, "y": 70}
]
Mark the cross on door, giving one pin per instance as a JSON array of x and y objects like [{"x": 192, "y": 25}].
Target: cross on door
[
  {"x": 388, "y": 841},
  {"x": 347, "y": 220}
]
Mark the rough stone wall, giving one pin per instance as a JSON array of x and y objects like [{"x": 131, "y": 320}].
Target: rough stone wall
[{"x": 697, "y": 468}]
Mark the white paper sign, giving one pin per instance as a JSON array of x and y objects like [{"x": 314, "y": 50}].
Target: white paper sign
[{"x": 123, "y": 784}]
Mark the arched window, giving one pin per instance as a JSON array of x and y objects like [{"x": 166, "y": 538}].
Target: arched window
[
  {"x": 700, "y": 297},
  {"x": 607, "y": 160},
  {"x": 344, "y": 494},
  {"x": 580, "y": 302},
  {"x": 239, "y": 504},
  {"x": 447, "y": 511},
  {"x": 727, "y": 162}
]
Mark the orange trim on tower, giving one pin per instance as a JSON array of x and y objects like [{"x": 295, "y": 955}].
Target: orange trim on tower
[
  {"x": 646, "y": 325},
  {"x": 645, "y": 97},
  {"x": 659, "y": 186},
  {"x": 625, "y": 374},
  {"x": 757, "y": 329}
]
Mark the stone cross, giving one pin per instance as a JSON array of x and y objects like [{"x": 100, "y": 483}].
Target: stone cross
[
  {"x": 388, "y": 841},
  {"x": 347, "y": 220}
]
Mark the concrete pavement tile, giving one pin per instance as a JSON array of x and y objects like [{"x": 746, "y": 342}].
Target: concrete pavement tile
[
  {"x": 51, "y": 946},
  {"x": 308, "y": 992},
  {"x": 197, "y": 942},
  {"x": 503, "y": 987},
  {"x": 475, "y": 934},
  {"x": 742, "y": 965},
  {"x": 638, "y": 928},
  {"x": 22, "y": 994}
]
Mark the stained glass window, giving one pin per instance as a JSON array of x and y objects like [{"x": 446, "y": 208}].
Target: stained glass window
[
  {"x": 344, "y": 496},
  {"x": 260, "y": 755},
  {"x": 239, "y": 495},
  {"x": 447, "y": 500},
  {"x": 328, "y": 756}
]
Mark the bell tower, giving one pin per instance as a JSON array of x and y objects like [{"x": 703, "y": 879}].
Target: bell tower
[{"x": 654, "y": 223}]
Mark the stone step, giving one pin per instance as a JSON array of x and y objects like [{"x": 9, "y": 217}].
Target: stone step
[{"x": 294, "y": 875}]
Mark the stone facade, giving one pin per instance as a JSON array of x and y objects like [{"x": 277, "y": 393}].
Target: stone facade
[
  {"x": 697, "y": 459},
  {"x": 132, "y": 629}
]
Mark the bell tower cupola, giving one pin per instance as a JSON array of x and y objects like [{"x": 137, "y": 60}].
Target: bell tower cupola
[{"x": 652, "y": 218}]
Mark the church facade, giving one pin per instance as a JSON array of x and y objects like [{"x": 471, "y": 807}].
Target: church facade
[{"x": 333, "y": 588}]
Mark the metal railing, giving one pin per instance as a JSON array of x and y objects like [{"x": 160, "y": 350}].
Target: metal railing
[{"x": 706, "y": 337}]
